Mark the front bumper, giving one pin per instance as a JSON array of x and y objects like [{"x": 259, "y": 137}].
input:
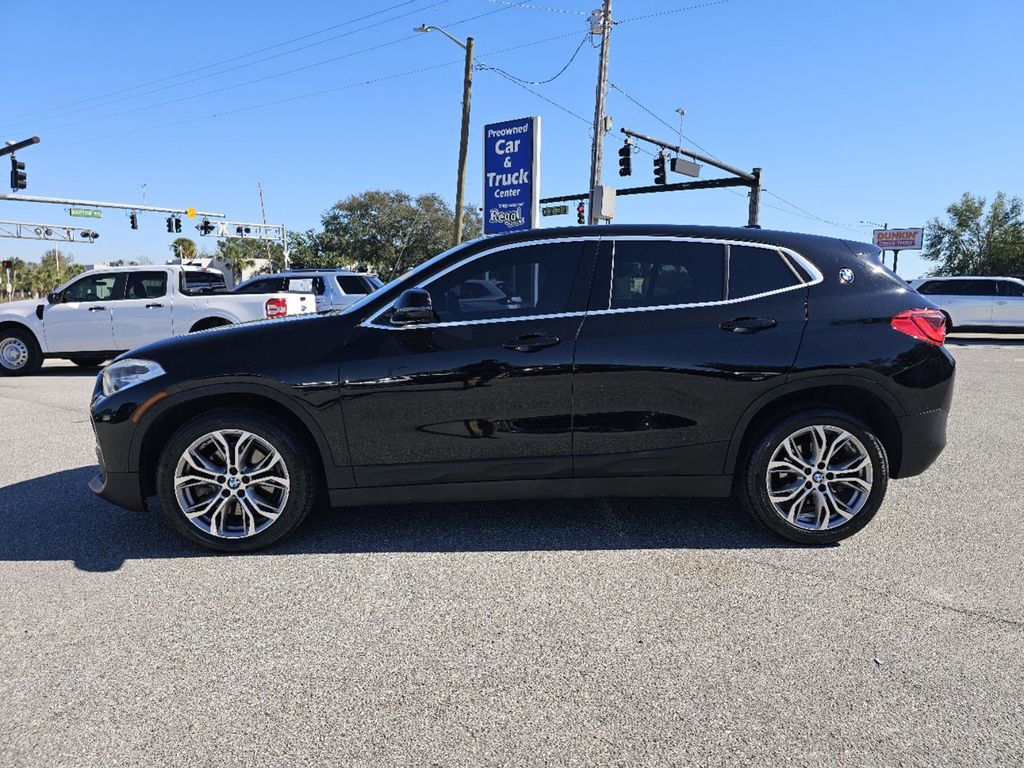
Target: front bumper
[
  {"x": 121, "y": 488},
  {"x": 923, "y": 438}
]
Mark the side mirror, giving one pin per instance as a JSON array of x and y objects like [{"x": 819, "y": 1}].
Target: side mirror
[
  {"x": 54, "y": 298},
  {"x": 412, "y": 306}
]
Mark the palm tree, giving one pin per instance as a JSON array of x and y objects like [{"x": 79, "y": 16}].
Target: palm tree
[{"x": 183, "y": 249}]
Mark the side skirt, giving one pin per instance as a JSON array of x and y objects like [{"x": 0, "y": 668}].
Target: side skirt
[{"x": 568, "y": 488}]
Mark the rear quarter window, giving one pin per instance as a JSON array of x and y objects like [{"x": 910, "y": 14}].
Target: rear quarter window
[
  {"x": 202, "y": 282},
  {"x": 353, "y": 285},
  {"x": 758, "y": 270}
]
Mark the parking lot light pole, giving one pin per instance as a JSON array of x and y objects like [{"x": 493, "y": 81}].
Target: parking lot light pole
[{"x": 467, "y": 86}]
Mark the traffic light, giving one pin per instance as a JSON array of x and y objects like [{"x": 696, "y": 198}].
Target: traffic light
[
  {"x": 205, "y": 228},
  {"x": 19, "y": 179},
  {"x": 626, "y": 158},
  {"x": 177, "y": 224},
  {"x": 580, "y": 211},
  {"x": 134, "y": 219},
  {"x": 242, "y": 231},
  {"x": 170, "y": 224},
  {"x": 659, "y": 169}
]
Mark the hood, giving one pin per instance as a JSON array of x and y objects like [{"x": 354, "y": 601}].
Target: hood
[
  {"x": 253, "y": 348},
  {"x": 20, "y": 309}
]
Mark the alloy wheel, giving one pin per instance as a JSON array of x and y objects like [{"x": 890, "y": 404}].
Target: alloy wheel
[
  {"x": 231, "y": 484},
  {"x": 13, "y": 353},
  {"x": 819, "y": 477}
]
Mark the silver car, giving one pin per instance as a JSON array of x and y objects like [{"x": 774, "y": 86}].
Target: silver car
[{"x": 977, "y": 302}]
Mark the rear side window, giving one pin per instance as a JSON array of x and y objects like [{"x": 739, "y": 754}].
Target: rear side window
[
  {"x": 270, "y": 285},
  {"x": 757, "y": 270},
  {"x": 649, "y": 273},
  {"x": 193, "y": 281},
  {"x": 314, "y": 284},
  {"x": 972, "y": 287},
  {"x": 352, "y": 284},
  {"x": 146, "y": 285}
]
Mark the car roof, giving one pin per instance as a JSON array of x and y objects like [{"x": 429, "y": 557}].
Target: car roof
[{"x": 969, "y": 277}]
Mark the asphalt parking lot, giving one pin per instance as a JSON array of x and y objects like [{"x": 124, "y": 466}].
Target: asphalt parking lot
[{"x": 653, "y": 632}]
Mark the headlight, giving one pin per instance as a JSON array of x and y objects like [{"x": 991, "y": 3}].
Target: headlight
[{"x": 128, "y": 373}]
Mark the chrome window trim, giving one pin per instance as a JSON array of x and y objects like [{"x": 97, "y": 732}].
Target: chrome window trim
[{"x": 816, "y": 278}]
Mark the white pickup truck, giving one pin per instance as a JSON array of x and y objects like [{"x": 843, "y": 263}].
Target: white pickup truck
[{"x": 104, "y": 312}]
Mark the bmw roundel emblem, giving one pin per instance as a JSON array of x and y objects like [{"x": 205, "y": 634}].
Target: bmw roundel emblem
[{"x": 846, "y": 275}]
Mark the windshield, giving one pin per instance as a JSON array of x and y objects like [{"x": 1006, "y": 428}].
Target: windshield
[{"x": 410, "y": 275}]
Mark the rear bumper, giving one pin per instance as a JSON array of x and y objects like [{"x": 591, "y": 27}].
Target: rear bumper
[{"x": 923, "y": 438}]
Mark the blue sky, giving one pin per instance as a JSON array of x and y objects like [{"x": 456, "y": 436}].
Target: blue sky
[{"x": 882, "y": 111}]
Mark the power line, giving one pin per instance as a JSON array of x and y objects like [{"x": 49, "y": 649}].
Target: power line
[
  {"x": 569, "y": 11},
  {"x": 551, "y": 79},
  {"x": 673, "y": 10},
  {"x": 276, "y": 102},
  {"x": 539, "y": 95},
  {"x": 232, "y": 59}
]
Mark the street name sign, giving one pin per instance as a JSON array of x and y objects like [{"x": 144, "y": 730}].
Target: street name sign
[
  {"x": 911, "y": 239},
  {"x": 511, "y": 175},
  {"x": 86, "y": 213}
]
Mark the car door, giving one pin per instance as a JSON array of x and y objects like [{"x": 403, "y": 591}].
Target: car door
[
  {"x": 479, "y": 393},
  {"x": 145, "y": 312},
  {"x": 1009, "y": 308},
  {"x": 681, "y": 339},
  {"x": 971, "y": 301},
  {"x": 81, "y": 321}
]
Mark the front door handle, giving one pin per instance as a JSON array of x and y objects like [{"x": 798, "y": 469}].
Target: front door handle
[
  {"x": 748, "y": 324},
  {"x": 532, "y": 342},
  {"x": 96, "y": 309},
  {"x": 154, "y": 306}
]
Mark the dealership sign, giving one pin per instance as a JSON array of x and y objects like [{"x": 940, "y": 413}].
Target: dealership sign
[
  {"x": 511, "y": 175},
  {"x": 899, "y": 239}
]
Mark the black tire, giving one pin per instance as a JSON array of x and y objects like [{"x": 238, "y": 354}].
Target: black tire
[
  {"x": 20, "y": 354},
  {"x": 753, "y": 477},
  {"x": 88, "y": 362},
  {"x": 949, "y": 321},
  {"x": 300, "y": 461}
]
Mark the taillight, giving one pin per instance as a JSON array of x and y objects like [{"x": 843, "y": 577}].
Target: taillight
[
  {"x": 924, "y": 324},
  {"x": 277, "y": 307}
]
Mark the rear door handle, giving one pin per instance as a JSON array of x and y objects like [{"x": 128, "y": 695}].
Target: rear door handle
[
  {"x": 531, "y": 342},
  {"x": 748, "y": 324},
  {"x": 96, "y": 309},
  {"x": 154, "y": 306}
]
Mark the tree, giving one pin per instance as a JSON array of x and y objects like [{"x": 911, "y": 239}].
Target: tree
[
  {"x": 389, "y": 231},
  {"x": 239, "y": 255},
  {"x": 183, "y": 249},
  {"x": 972, "y": 241}
]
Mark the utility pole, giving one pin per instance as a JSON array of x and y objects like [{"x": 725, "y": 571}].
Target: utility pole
[
  {"x": 460, "y": 192},
  {"x": 754, "y": 212},
  {"x": 597, "y": 151},
  {"x": 467, "y": 87}
]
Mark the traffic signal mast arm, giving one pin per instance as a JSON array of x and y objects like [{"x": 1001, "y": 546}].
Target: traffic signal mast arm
[
  {"x": 99, "y": 204},
  {"x": 696, "y": 156}
]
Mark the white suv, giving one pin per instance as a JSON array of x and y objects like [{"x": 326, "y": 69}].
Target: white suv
[
  {"x": 333, "y": 288},
  {"x": 976, "y": 302}
]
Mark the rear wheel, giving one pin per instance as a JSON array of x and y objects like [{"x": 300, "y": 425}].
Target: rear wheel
[
  {"x": 815, "y": 477},
  {"x": 949, "y": 321},
  {"x": 234, "y": 480},
  {"x": 19, "y": 353},
  {"x": 88, "y": 362}
]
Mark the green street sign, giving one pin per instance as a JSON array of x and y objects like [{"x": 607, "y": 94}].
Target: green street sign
[
  {"x": 554, "y": 210},
  {"x": 86, "y": 213}
]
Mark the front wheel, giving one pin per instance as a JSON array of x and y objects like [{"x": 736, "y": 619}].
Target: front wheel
[
  {"x": 19, "y": 353},
  {"x": 234, "y": 480},
  {"x": 815, "y": 477}
]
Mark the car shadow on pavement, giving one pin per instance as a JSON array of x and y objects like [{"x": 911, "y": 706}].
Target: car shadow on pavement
[{"x": 56, "y": 517}]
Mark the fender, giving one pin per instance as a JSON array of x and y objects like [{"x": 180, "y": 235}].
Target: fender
[
  {"x": 337, "y": 476},
  {"x": 27, "y": 320},
  {"x": 849, "y": 380}
]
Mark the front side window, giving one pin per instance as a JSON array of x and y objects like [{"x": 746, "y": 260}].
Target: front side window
[
  {"x": 933, "y": 287},
  {"x": 757, "y": 270},
  {"x": 146, "y": 285},
  {"x": 662, "y": 273},
  {"x": 92, "y": 288},
  {"x": 517, "y": 282},
  {"x": 1010, "y": 288},
  {"x": 352, "y": 285}
]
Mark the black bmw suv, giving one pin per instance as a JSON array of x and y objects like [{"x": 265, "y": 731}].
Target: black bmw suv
[{"x": 793, "y": 371}]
